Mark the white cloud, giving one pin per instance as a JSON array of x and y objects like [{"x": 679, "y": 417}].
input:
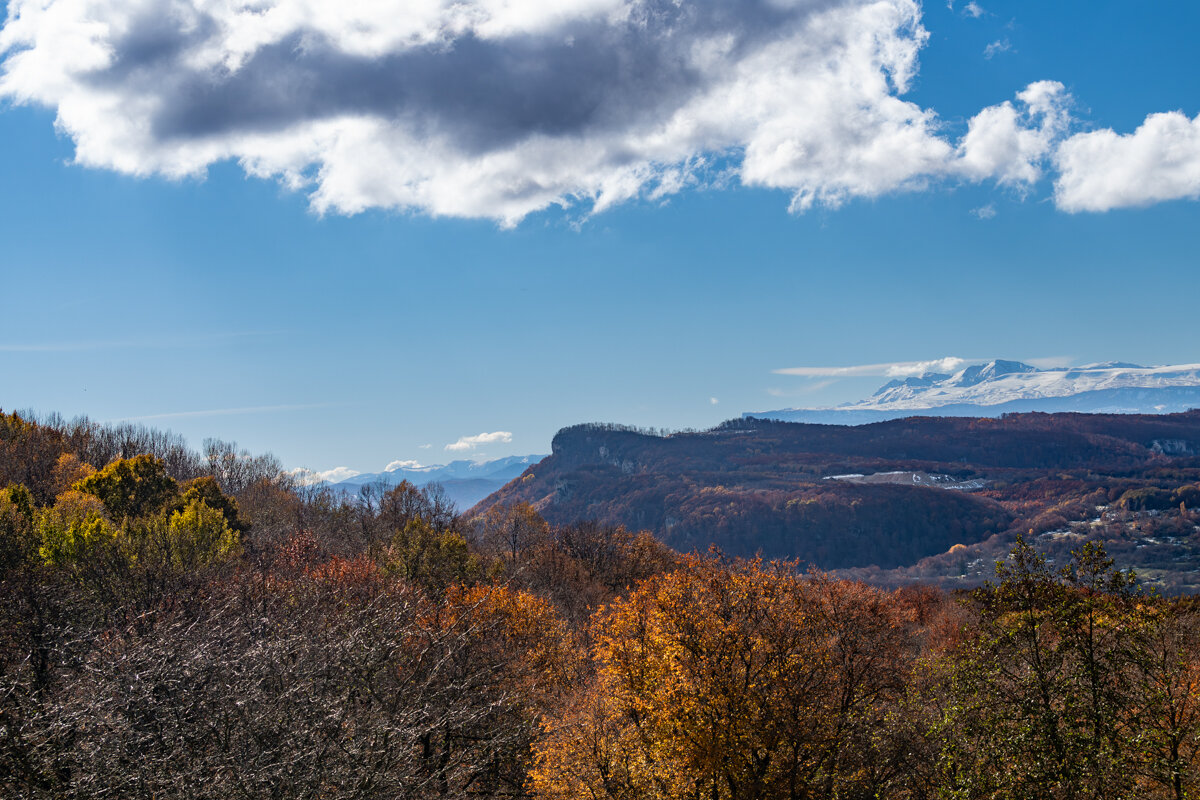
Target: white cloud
[
  {"x": 973, "y": 9},
  {"x": 1010, "y": 141},
  {"x": 308, "y": 477},
  {"x": 997, "y": 47},
  {"x": 810, "y": 388},
  {"x": 894, "y": 369},
  {"x": 424, "y": 446},
  {"x": 491, "y": 108},
  {"x": 395, "y": 465},
  {"x": 985, "y": 212},
  {"x": 713, "y": 401},
  {"x": 471, "y": 442},
  {"x": 1103, "y": 170}
]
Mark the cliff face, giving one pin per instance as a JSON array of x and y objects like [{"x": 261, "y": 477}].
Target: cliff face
[{"x": 763, "y": 487}]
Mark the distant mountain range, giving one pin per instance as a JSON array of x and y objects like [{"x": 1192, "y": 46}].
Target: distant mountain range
[
  {"x": 1002, "y": 387},
  {"x": 466, "y": 482}
]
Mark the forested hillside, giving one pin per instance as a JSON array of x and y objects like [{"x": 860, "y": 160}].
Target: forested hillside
[
  {"x": 191, "y": 625},
  {"x": 872, "y": 497}
]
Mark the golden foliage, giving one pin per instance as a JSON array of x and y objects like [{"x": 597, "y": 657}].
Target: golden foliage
[{"x": 722, "y": 681}]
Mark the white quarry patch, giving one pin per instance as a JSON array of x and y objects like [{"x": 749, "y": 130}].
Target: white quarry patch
[{"x": 904, "y": 478}]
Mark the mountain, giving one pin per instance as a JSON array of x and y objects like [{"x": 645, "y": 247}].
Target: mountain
[
  {"x": 502, "y": 469},
  {"x": 466, "y": 482},
  {"x": 885, "y": 496},
  {"x": 1004, "y": 387}
]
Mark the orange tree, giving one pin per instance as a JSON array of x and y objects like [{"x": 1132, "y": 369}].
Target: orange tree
[{"x": 733, "y": 681}]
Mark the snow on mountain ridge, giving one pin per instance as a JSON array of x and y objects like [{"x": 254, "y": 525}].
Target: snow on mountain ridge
[
  {"x": 1000, "y": 381},
  {"x": 1005, "y": 381},
  {"x": 500, "y": 468}
]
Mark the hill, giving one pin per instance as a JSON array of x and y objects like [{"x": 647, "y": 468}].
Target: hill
[{"x": 886, "y": 496}]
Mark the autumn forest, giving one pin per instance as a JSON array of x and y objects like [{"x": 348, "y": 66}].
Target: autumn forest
[{"x": 182, "y": 624}]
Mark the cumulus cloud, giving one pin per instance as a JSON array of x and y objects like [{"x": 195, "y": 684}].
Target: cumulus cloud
[
  {"x": 308, "y": 477},
  {"x": 493, "y": 108},
  {"x": 1010, "y": 142},
  {"x": 894, "y": 369},
  {"x": 973, "y": 9},
  {"x": 471, "y": 442},
  {"x": 1103, "y": 170}
]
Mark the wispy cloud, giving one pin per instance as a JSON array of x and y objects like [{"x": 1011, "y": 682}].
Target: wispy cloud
[
  {"x": 811, "y": 388},
  {"x": 64, "y": 347},
  {"x": 147, "y": 343},
  {"x": 893, "y": 369},
  {"x": 985, "y": 212},
  {"x": 222, "y": 412},
  {"x": 997, "y": 47},
  {"x": 471, "y": 442},
  {"x": 973, "y": 9}
]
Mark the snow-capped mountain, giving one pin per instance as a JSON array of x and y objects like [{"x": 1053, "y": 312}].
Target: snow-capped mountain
[
  {"x": 466, "y": 482},
  {"x": 1000, "y": 387},
  {"x": 501, "y": 469}
]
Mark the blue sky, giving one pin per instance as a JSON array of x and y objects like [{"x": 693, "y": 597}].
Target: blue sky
[{"x": 148, "y": 277}]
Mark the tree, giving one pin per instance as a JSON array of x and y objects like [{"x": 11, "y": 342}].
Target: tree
[
  {"x": 132, "y": 487},
  {"x": 198, "y": 536},
  {"x": 1044, "y": 706},
  {"x": 206, "y": 490},
  {"x": 732, "y": 681},
  {"x": 510, "y": 530},
  {"x": 1166, "y": 680},
  {"x": 426, "y": 557},
  {"x": 17, "y": 542}
]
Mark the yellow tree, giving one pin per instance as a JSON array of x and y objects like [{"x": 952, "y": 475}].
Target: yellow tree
[{"x": 719, "y": 681}]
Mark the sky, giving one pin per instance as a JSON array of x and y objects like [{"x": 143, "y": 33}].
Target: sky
[{"x": 417, "y": 230}]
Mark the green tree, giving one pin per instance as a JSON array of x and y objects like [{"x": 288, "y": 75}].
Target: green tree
[
  {"x": 206, "y": 490},
  {"x": 423, "y": 555},
  {"x": 1042, "y": 700},
  {"x": 17, "y": 542},
  {"x": 132, "y": 487}
]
